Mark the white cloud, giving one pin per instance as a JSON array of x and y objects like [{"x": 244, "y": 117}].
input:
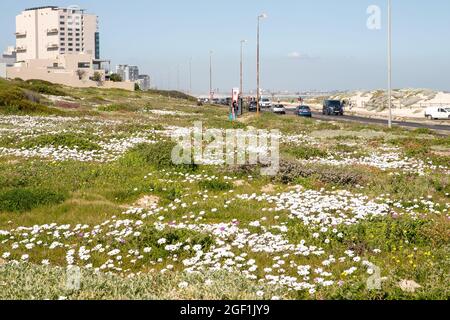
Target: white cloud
[{"x": 299, "y": 56}]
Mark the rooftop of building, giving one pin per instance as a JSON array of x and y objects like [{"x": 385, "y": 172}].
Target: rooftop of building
[
  {"x": 41, "y": 8},
  {"x": 77, "y": 8}
]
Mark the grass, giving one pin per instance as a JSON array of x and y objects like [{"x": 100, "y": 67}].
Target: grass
[{"x": 42, "y": 191}]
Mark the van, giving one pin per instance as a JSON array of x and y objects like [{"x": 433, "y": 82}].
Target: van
[
  {"x": 332, "y": 107},
  {"x": 438, "y": 113}
]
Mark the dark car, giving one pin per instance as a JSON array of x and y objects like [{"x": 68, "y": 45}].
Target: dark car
[
  {"x": 252, "y": 107},
  {"x": 333, "y": 107},
  {"x": 304, "y": 111}
]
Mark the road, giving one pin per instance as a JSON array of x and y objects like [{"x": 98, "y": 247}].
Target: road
[{"x": 406, "y": 124}]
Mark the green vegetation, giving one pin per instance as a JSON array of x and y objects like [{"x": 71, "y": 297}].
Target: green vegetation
[
  {"x": 409, "y": 241},
  {"x": 22, "y": 199},
  {"x": 69, "y": 140}
]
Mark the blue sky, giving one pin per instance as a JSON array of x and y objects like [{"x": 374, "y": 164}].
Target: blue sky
[{"x": 336, "y": 49}]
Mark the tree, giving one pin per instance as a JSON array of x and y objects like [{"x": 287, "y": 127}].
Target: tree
[
  {"x": 97, "y": 77},
  {"x": 115, "y": 77},
  {"x": 136, "y": 87},
  {"x": 81, "y": 74}
]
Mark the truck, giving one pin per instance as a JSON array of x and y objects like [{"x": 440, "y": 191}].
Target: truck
[{"x": 438, "y": 113}]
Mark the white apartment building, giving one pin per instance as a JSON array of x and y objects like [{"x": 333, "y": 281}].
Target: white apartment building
[
  {"x": 46, "y": 32},
  {"x": 128, "y": 73},
  {"x": 60, "y": 45},
  {"x": 144, "y": 82}
]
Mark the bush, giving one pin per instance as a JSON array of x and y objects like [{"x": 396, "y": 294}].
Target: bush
[
  {"x": 23, "y": 199},
  {"x": 118, "y": 107},
  {"x": 172, "y": 94},
  {"x": 291, "y": 171},
  {"x": 69, "y": 140},
  {"x": 158, "y": 155},
  {"x": 43, "y": 87},
  {"x": 16, "y": 100},
  {"x": 215, "y": 185},
  {"x": 304, "y": 152},
  {"x": 97, "y": 77},
  {"x": 115, "y": 77}
]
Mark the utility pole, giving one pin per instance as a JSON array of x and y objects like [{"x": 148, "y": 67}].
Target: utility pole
[
  {"x": 210, "y": 77},
  {"x": 178, "y": 77},
  {"x": 262, "y": 16},
  {"x": 241, "y": 88},
  {"x": 190, "y": 76},
  {"x": 390, "y": 63}
]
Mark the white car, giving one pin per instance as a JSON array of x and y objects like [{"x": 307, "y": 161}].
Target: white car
[
  {"x": 279, "y": 109},
  {"x": 438, "y": 113},
  {"x": 265, "y": 103}
]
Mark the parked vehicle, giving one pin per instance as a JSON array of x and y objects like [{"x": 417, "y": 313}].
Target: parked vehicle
[
  {"x": 265, "y": 103},
  {"x": 252, "y": 107},
  {"x": 332, "y": 107},
  {"x": 304, "y": 111},
  {"x": 438, "y": 113},
  {"x": 279, "y": 109}
]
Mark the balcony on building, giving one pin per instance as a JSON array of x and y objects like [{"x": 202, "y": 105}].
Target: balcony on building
[
  {"x": 52, "y": 46},
  {"x": 21, "y": 48},
  {"x": 21, "y": 34},
  {"x": 52, "y": 31}
]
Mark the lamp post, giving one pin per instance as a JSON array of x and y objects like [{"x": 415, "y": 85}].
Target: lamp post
[
  {"x": 390, "y": 63},
  {"x": 210, "y": 76},
  {"x": 262, "y": 16},
  {"x": 241, "y": 88},
  {"x": 190, "y": 76}
]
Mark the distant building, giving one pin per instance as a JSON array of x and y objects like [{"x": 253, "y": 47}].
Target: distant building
[
  {"x": 128, "y": 73},
  {"x": 144, "y": 82},
  {"x": 46, "y": 32},
  {"x": 7, "y": 59},
  {"x": 60, "y": 45}
]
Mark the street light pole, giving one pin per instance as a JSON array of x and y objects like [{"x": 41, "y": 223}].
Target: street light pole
[
  {"x": 241, "y": 88},
  {"x": 210, "y": 77},
  {"x": 262, "y": 16},
  {"x": 190, "y": 76},
  {"x": 390, "y": 63}
]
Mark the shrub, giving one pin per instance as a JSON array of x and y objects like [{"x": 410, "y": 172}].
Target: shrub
[
  {"x": 97, "y": 77},
  {"x": 291, "y": 171},
  {"x": 158, "y": 155},
  {"x": 43, "y": 87},
  {"x": 69, "y": 140},
  {"x": 23, "y": 199},
  {"x": 304, "y": 152},
  {"x": 215, "y": 185},
  {"x": 115, "y": 77},
  {"x": 118, "y": 107}
]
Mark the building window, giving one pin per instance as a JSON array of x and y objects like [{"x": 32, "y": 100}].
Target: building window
[
  {"x": 62, "y": 29},
  {"x": 70, "y": 39},
  {"x": 63, "y": 44},
  {"x": 77, "y": 39},
  {"x": 62, "y": 34},
  {"x": 77, "y": 34},
  {"x": 70, "y": 49},
  {"x": 62, "y": 39},
  {"x": 70, "y": 44},
  {"x": 78, "y": 49},
  {"x": 77, "y": 44},
  {"x": 62, "y": 23},
  {"x": 70, "y": 33}
]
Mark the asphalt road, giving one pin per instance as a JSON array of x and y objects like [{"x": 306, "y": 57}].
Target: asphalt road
[{"x": 406, "y": 124}]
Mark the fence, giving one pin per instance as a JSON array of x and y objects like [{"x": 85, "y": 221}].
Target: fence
[{"x": 365, "y": 105}]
